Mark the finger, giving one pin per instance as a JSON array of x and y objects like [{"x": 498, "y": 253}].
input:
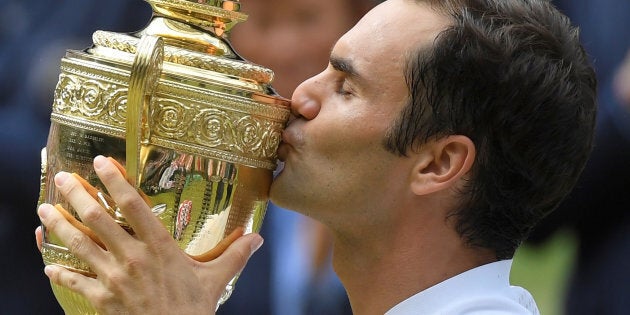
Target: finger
[
  {"x": 96, "y": 194},
  {"x": 235, "y": 257},
  {"x": 120, "y": 168},
  {"x": 77, "y": 242},
  {"x": 39, "y": 238},
  {"x": 220, "y": 247},
  {"x": 74, "y": 281},
  {"x": 123, "y": 172},
  {"x": 92, "y": 214},
  {"x": 133, "y": 207},
  {"x": 79, "y": 225}
]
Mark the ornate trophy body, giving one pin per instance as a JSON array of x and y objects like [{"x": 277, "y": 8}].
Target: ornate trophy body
[{"x": 195, "y": 126}]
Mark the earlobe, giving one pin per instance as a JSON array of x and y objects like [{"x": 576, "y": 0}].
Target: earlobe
[{"x": 442, "y": 163}]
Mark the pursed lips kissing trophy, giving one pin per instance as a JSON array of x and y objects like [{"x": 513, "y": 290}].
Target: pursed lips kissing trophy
[{"x": 195, "y": 127}]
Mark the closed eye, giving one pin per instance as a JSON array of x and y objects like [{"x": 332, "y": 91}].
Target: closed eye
[{"x": 344, "y": 89}]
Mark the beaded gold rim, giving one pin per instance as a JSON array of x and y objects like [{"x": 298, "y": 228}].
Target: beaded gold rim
[{"x": 127, "y": 43}]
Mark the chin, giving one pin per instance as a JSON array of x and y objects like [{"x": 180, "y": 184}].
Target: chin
[
  {"x": 276, "y": 194},
  {"x": 273, "y": 190},
  {"x": 283, "y": 196}
]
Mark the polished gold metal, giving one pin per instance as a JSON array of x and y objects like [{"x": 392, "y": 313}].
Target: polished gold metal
[
  {"x": 195, "y": 126},
  {"x": 145, "y": 72}
]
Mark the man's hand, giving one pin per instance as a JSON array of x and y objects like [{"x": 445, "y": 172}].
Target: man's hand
[{"x": 146, "y": 273}]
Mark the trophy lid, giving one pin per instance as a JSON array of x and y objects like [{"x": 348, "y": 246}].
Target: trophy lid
[
  {"x": 218, "y": 16},
  {"x": 195, "y": 36}
]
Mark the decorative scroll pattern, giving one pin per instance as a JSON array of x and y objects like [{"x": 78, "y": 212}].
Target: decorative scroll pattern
[
  {"x": 90, "y": 98},
  {"x": 57, "y": 255},
  {"x": 241, "y": 128},
  {"x": 184, "y": 57}
]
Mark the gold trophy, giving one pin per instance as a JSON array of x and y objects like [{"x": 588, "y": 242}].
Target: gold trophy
[{"x": 195, "y": 126}]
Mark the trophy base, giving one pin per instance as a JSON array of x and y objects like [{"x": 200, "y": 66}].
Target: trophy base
[
  {"x": 75, "y": 304},
  {"x": 72, "y": 303}
]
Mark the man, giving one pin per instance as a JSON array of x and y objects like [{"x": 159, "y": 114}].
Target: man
[{"x": 440, "y": 132}]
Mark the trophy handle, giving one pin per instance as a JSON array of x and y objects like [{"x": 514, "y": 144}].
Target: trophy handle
[
  {"x": 145, "y": 73},
  {"x": 43, "y": 178}
]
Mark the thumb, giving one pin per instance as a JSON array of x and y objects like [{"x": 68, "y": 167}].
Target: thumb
[{"x": 236, "y": 256}]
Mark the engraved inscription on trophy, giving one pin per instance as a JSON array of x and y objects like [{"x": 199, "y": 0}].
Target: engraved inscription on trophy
[{"x": 79, "y": 147}]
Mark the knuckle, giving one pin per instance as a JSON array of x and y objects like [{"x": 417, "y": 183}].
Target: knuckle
[
  {"x": 66, "y": 278},
  {"x": 98, "y": 300},
  {"x": 114, "y": 280},
  {"x": 239, "y": 257},
  {"x": 107, "y": 174},
  {"x": 134, "y": 265},
  {"x": 131, "y": 200},
  {"x": 51, "y": 222},
  {"x": 70, "y": 187},
  {"x": 71, "y": 282},
  {"x": 160, "y": 244},
  {"x": 55, "y": 277},
  {"x": 113, "y": 277},
  {"x": 77, "y": 243},
  {"x": 101, "y": 299},
  {"x": 92, "y": 214}
]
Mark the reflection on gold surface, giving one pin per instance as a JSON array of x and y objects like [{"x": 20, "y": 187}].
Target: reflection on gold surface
[{"x": 196, "y": 127}]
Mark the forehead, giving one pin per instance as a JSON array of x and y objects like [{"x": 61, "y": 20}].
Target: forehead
[{"x": 387, "y": 35}]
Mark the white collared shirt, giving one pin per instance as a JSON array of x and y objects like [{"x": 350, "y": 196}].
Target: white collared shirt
[{"x": 482, "y": 290}]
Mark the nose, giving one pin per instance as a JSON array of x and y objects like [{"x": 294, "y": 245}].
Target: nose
[{"x": 306, "y": 100}]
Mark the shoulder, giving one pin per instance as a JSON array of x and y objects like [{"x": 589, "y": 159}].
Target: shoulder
[
  {"x": 493, "y": 305},
  {"x": 476, "y": 305},
  {"x": 482, "y": 290}
]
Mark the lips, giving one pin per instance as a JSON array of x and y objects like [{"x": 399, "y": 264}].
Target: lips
[
  {"x": 283, "y": 151},
  {"x": 290, "y": 137},
  {"x": 283, "y": 148}
]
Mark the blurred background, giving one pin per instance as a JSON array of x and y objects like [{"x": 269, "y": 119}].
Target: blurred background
[
  {"x": 575, "y": 263},
  {"x": 33, "y": 37}
]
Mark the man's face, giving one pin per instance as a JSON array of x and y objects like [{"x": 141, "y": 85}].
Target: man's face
[{"x": 335, "y": 163}]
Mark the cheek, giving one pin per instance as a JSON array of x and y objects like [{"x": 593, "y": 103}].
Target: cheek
[{"x": 346, "y": 145}]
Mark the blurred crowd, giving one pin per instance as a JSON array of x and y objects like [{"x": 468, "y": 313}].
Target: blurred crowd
[
  {"x": 34, "y": 36},
  {"x": 598, "y": 210}
]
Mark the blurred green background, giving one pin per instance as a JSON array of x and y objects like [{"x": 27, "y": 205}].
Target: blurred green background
[{"x": 544, "y": 270}]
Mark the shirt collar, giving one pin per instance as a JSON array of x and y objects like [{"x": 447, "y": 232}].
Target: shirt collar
[{"x": 486, "y": 278}]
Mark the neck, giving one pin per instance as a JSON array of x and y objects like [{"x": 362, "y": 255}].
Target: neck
[{"x": 391, "y": 265}]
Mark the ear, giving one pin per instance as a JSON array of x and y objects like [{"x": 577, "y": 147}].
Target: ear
[{"x": 441, "y": 163}]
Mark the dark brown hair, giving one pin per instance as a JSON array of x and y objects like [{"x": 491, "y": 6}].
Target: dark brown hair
[{"x": 512, "y": 76}]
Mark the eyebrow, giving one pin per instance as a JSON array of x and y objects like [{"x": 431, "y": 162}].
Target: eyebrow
[{"x": 345, "y": 66}]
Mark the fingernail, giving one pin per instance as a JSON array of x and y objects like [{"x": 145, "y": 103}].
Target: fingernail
[
  {"x": 49, "y": 270},
  {"x": 43, "y": 211},
  {"x": 61, "y": 178},
  {"x": 99, "y": 162},
  {"x": 256, "y": 243}
]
